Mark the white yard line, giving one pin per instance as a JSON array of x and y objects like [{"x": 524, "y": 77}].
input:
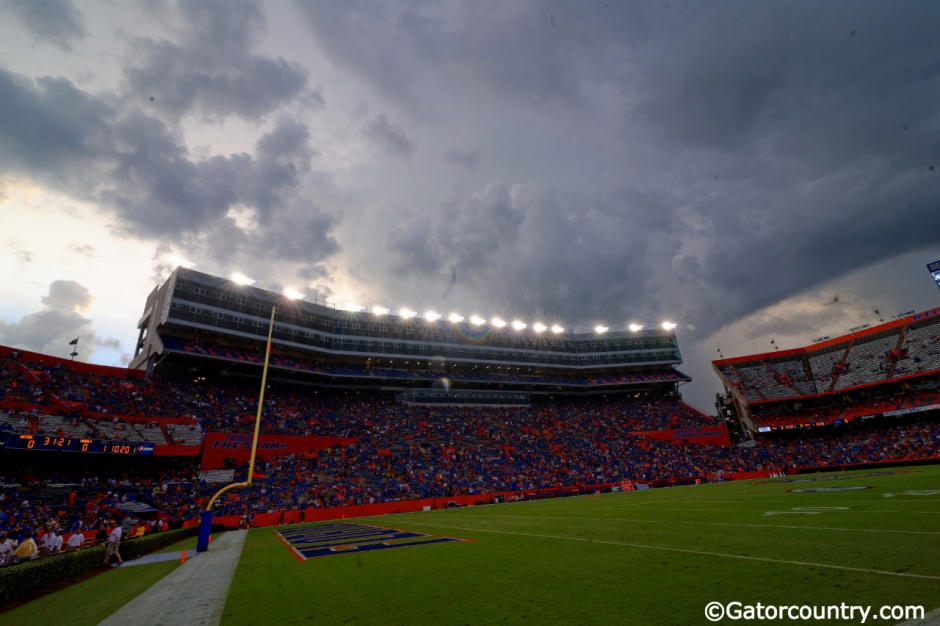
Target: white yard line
[
  {"x": 684, "y": 551},
  {"x": 657, "y": 521},
  {"x": 193, "y": 593}
]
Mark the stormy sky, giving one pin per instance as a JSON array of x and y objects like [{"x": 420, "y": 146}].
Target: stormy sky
[{"x": 731, "y": 166}]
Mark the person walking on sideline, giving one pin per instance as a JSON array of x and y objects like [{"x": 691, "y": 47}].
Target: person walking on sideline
[{"x": 114, "y": 542}]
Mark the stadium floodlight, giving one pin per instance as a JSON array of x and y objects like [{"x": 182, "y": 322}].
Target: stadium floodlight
[
  {"x": 668, "y": 325},
  {"x": 539, "y": 328},
  {"x": 519, "y": 325},
  {"x": 476, "y": 320},
  {"x": 601, "y": 329},
  {"x": 455, "y": 318},
  {"x": 380, "y": 310},
  {"x": 432, "y": 316},
  {"x": 240, "y": 279},
  {"x": 293, "y": 294},
  {"x": 498, "y": 323},
  {"x": 355, "y": 308},
  {"x": 407, "y": 313},
  {"x": 181, "y": 262},
  {"x": 557, "y": 329},
  {"x": 636, "y": 327}
]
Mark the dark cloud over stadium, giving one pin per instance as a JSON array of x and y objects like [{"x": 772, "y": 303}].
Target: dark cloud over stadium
[{"x": 728, "y": 166}]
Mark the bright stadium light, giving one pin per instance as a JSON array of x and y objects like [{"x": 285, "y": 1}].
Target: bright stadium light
[
  {"x": 636, "y": 327},
  {"x": 431, "y": 316},
  {"x": 293, "y": 294},
  {"x": 455, "y": 318},
  {"x": 407, "y": 313},
  {"x": 668, "y": 325},
  {"x": 240, "y": 279},
  {"x": 476, "y": 320},
  {"x": 355, "y": 308},
  {"x": 601, "y": 329},
  {"x": 181, "y": 261},
  {"x": 498, "y": 323},
  {"x": 557, "y": 329},
  {"x": 539, "y": 328},
  {"x": 380, "y": 310},
  {"x": 519, "y": 325}
]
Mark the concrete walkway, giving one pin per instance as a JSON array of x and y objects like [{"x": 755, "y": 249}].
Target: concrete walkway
[
  {"x": 930, "y": 619},
  {"x": 193, "y": 593},
  {"x": 159, "y": 558}
]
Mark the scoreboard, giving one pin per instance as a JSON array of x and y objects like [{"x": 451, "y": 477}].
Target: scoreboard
[
  {"x": 934, "y": 269},
  {"x": 76, "y": 444}
]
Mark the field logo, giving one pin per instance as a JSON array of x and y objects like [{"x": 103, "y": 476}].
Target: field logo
[{"x": 310, "y": 542}]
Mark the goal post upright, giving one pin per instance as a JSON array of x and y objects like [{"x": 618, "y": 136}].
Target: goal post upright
[{"x": 205, "y": 519}]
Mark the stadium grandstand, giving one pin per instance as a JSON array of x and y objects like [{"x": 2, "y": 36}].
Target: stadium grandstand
[{"x": 886, "y": 370}]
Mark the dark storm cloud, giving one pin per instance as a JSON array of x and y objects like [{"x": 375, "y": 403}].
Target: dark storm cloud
[
  {"x": 467, "y": 159},
  {"x": 210, "y": 68},
  {"x": 388, "y": 138},
  {"x": 140, "y": 168},
  {"x": 56, "y": 22},
  {"x": 784, "y": 150},
  {"x": 60, "y": 321},
  {"x": 543, "y": 51}
]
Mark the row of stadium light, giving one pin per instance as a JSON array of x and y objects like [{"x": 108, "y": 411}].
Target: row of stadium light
[{"x": 454, "y": 318}]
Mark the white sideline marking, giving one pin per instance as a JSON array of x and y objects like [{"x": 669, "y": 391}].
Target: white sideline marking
[
  {"x": 685, "y": 551},
  {"x": 759, "y": 510},
  {"x": 656, "y": 521}
]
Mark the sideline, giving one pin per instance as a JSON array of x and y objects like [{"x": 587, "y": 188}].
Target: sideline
[
  {"x": 660, "y": 521},
  {"x": 194, "y": 593},
  {"x": 683, "y": 550}
]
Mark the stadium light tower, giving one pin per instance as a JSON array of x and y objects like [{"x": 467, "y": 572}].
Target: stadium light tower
[
  {"x": 636, "y": 327},
  {"x": 557, "y": 329},
  {"x": 498, "y": 323},
  {"x": 205, "y": 518},
  {"x": 519, "y": 325},
  {"x": 432, "y": 316},
  {"x": 476, "y": 320},
  {"x": 455, "y": 318},
  {"x": 539, "y": 327},
  {"x": 601, "y": 329},
  {"x": 293, "y": 294},
  {"x": 668, "y": 325},
  {"x": 380, "y": 310},
  {"x": 407, "y": 313}
]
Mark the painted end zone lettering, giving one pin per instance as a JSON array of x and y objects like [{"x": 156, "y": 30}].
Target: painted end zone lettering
[{"x": 311, "y": 542}]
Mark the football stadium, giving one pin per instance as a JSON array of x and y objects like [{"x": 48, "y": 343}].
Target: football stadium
[
  {"x": 538, "y": 474},
  {"x": 422, "y": 312}
]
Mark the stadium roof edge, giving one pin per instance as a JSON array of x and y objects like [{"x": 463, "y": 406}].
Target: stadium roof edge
[{"x": 872, "y": 330}]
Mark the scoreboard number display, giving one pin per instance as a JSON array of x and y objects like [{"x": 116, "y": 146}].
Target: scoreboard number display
[{"x": 50, "y": 443}]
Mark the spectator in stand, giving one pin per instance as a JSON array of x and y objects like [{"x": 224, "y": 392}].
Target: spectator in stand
[
  {"x": 76, "y": 542},
  {"x": 27, "y": 549},
  {"x": 6, "y": 549}
]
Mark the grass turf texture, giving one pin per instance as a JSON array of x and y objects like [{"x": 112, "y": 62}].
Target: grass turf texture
[
  {"x": 93, "y": 599},
  {"x": 633, "y": 558}
]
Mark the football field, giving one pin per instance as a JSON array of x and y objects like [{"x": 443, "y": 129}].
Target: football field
[
  {"x": 865, "y": 539},
  {"x": 823, "y": 542}
]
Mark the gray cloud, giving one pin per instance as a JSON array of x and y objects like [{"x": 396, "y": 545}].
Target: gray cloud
[
  {"x": 56, "y": 22},
  {"x": 50, "y": 330},
  {"x": 67, "y": 295},
  {"x": 467, "y": 159},
  {"x": 388, "y": 138},
  {"x": 210, "y": 68},
  {"x": 139, "y": 168}
]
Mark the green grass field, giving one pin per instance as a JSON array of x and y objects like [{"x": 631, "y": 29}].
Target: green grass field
[{"x": 654, "y": 557}]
